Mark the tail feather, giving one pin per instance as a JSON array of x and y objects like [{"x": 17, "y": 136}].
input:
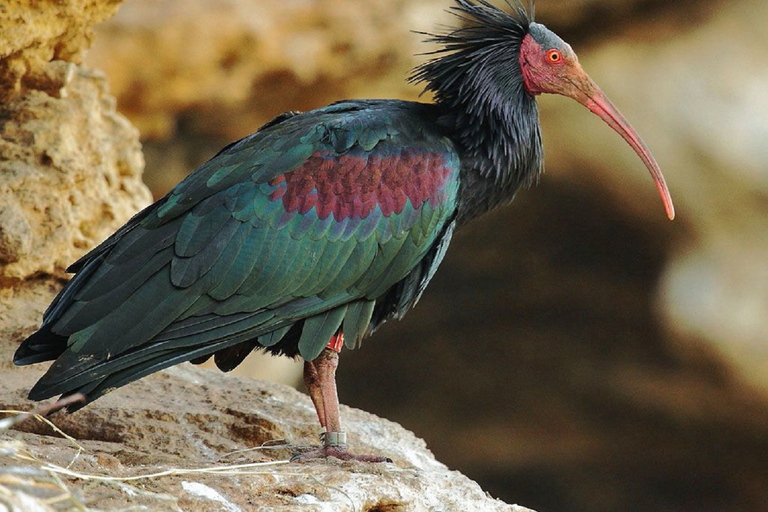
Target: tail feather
[
  {"x": 39, "y": 347},
  {"x": 98, "y": 385}
]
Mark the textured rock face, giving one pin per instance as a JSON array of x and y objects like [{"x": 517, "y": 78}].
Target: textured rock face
[
  {"x": 188, "y": 422},
  {"x": 36, "y": 33},
  {"x": 70, "y": 171},
  {"x": 70, "y": 165}
]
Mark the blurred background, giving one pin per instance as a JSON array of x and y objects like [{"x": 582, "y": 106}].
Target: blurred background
[{"x": 576, "y": 351}]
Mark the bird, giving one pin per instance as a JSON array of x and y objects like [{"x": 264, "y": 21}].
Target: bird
[{"x": 307, "y": 235}]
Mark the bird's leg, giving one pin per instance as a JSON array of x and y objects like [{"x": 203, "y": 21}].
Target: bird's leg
[
  {"x": 313, "y": 384},
  {"x": 311, "y": 381},
  {"x": 325, "y": 365},
  {"x": 320, "y": 380}
]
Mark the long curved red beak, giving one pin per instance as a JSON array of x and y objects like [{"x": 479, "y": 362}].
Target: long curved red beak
[{"x": 586, "y": 92}]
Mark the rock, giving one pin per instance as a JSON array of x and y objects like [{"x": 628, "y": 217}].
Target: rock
[
  {"x": 35, "y": 34},
  {"x": 70, "y": 172},
  {"x": 70, "y": 165},
  {"x": 190, "y": 424}
]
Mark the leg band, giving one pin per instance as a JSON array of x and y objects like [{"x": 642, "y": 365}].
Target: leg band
[{"x": 334, "y": 438}]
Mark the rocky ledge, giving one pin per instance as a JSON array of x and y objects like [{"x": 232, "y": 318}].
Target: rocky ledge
[{"x": 194, "y": 439}]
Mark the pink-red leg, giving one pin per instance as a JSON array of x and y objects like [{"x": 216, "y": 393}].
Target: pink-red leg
[
  {"x": 312, "y": 383},
  {"x": 320, "y": 380}
]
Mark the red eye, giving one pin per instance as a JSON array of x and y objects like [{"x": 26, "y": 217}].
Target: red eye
[{"x": 554, "y": 56}]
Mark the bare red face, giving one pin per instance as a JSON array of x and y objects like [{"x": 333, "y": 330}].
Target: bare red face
[{"x": 549, "y": 65}]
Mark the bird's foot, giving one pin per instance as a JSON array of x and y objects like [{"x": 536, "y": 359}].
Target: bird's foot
[
  {"x": 335, "y": 445},
  {"x": 339, "y": 452}
]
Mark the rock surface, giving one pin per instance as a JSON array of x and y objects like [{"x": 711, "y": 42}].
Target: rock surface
[
  {"x": 70, "y": 171},
  {"x": 36, "y": 33},
  {"x": 70, "y": 165},
  {"x": 199, "y": 425}
]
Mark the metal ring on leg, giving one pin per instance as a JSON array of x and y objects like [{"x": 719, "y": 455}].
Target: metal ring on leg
[{"x": 334, "y": 439}]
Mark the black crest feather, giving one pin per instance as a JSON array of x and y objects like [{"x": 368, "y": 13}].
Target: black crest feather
[
  {"x": 475, "y": 76},
  {"x": 487, "y": 33}
]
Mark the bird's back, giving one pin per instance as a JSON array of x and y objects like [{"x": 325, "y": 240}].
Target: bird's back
[{"x": 325, "y": 221}]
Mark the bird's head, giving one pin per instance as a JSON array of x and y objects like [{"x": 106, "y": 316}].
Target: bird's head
[
  {"x": 549, "y": 65},
  {"x": 497, "y": 61}
]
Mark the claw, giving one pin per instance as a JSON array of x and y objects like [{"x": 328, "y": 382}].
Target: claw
[{"x": 338, "y": 452}]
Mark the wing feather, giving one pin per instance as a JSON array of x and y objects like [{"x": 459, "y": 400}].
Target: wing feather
[
  {"x": 356, "y": 322},
  {"x": 317, "y": 330},
  {"x": 223, "y": 264}
]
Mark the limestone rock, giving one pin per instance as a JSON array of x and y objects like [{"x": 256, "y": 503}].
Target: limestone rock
[
  {"x": 70, "y": 171},
  {"x": 70, "y": 165},
  {"x": 36, "y": 33},
  {"x": 189, "y": 421}
]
